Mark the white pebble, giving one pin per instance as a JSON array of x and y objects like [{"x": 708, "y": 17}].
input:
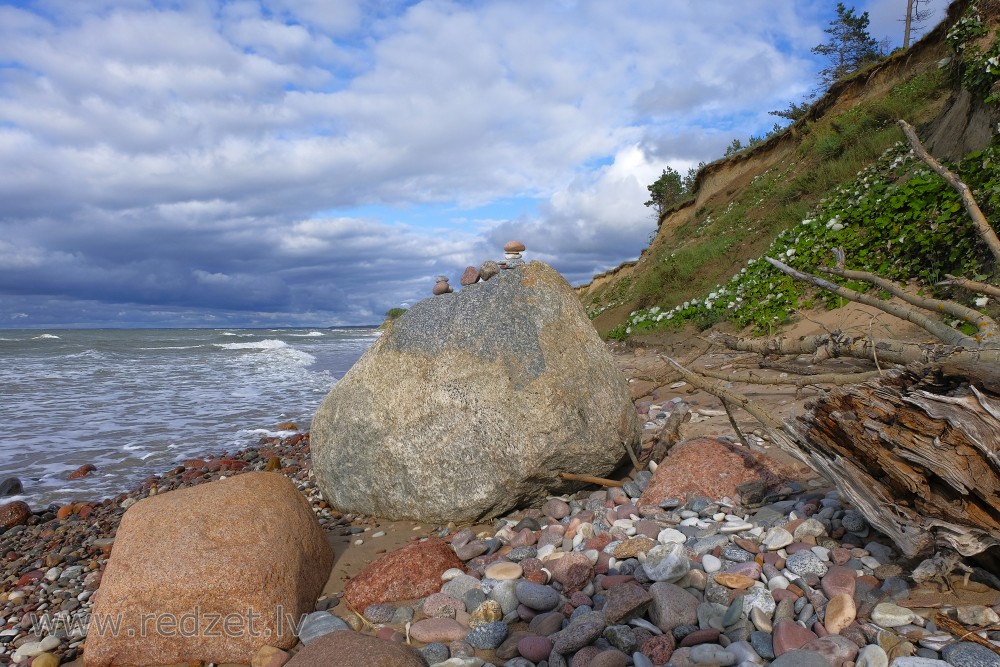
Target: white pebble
[
  {"x": 358, "y": 542},
  {"x": 822, "y": 552},
  {"x": 671, "y": 536},
  {"x": 545, "y": 551},
  {"x": 645, "y": 625},
  {"x": 870, "y": 562},
  {"x": 718, "y": 516},
  {"x": 380, "y": 533},
  {"x": 711, "y": 563},
  {"x": 735, "y": 527},
  {"x": 777, "y": 582}
]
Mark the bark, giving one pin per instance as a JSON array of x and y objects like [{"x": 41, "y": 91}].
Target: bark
[
  {"x": 983, "y": 227},
  {"x": 982, "y": 363},
  {"x": 971, "y": 285},
  {"x": 916, "y": 452},
  {"x": 802, "y": 381},
  {"x": 668, "y": 436},
  {"x": 936, "y": 328}
]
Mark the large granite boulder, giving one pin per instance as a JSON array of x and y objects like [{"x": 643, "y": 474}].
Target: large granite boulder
[
  {"x": 209, "y": 573},
  {"x": 472, "y": 403}
]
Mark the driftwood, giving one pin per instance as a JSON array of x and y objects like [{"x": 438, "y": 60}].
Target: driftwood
[
  {"x": 983, "y": 362},
  {"x": 917, "y": 448},
  {"x": 983, "y": 227},
  {"x": 667, "y": 437},
  {"x": 600, "y": 481},
  {"x": 917, "y": 452},
  {"x": 914, "y": 450}
]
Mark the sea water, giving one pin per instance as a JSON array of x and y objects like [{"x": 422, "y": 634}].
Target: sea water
[{"x": 136, "y": 402}]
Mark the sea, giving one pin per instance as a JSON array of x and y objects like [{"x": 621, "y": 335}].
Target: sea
[{"x": 135, "y": 402}]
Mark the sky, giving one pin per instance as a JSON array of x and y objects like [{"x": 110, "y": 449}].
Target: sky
[{"x": 313, "y": 163}]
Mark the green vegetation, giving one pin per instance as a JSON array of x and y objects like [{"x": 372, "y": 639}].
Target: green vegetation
[
  {"x": 979, "y": 65},
  {"x": 897, "y": 219},
  {"x": 850, "y": 46},
  {"x": 893, "y": 217},
  {"x": 665, "y": 191},
  {"x": 393, "y": 313}
]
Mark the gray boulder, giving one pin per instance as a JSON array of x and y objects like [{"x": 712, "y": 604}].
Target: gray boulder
[{"x": 472, "y": 403}]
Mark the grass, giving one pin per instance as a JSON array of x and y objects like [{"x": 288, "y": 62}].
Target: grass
[{"x": 721, "y": 236}]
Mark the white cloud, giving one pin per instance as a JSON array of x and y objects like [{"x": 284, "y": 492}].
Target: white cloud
[{"x": 162, "y": 150}]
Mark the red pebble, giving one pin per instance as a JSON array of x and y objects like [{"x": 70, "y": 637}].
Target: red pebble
[{"x": 82, "y": 471}]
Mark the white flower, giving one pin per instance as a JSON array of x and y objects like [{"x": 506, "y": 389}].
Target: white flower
[
  {"x": 981, "y": 301},
  {"x": 732, "y": 304},
  {"x": 836, "y": 227},
  {"x": 790, "y": 252}
]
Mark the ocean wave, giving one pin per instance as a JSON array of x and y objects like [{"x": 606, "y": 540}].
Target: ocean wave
[
  {"x": 45, "y": 336},
  {"x": 311, "y": 334},
  {"x": 267, "y": 344},
  {"x": 173, "y": 347}
]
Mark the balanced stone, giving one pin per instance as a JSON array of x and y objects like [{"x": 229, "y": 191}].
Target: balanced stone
[
  {"x": 470, "y": 276},
  {"x": 442, "y": 286}
]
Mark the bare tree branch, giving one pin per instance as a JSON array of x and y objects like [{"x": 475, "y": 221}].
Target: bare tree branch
[
  {"x": 838, "y": 344},
  {"x": 724, "y": 394},
  {"x": 972, "y": 285},
  {"x": 986, "y": 327},
  {"x": 983, "y": 227},
  {"x": 939, "y": 329},
  {"x": 803, "y": 381}
]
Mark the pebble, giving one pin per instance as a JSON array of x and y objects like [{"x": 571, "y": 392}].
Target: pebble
[{"x": 700, "y": 572}]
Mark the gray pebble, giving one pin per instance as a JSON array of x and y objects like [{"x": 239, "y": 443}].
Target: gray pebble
[
  {"x": 968, "y": 654},
  {"x": 488, "y": 636},
  {"x": 318, "y": 624},
  {"x": 434, "y": 653}
]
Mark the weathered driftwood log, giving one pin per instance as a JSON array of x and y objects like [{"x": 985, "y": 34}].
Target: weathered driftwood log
[
  {"x": 917, "y": 451},
  {"x": 980, "y": 363}
]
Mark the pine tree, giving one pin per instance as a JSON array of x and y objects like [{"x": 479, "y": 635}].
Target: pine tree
[
  {"x": 850, "y": 46},
  {"x": 665, "y": 191}
]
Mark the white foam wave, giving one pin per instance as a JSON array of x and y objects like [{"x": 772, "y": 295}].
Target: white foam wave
[
  {"x": 173, "y": 347},
  {"x": 311, "y": 334},
  {"x": 132, "y": 448},
  {"x": 45, "y": 336},
  {"x": 268, "y": 344}
]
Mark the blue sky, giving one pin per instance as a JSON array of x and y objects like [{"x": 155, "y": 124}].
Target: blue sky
[{"x": 317, "y": 162}]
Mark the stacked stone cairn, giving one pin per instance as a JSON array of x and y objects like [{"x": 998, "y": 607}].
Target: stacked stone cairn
[
  {"x": 441, "y": 286},
  {"x": 488, "y": 269}
]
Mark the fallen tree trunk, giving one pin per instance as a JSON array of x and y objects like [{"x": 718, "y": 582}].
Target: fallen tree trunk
[
  {"x": 983, "y": 363},
  {"x": 917, "y": 451}
]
